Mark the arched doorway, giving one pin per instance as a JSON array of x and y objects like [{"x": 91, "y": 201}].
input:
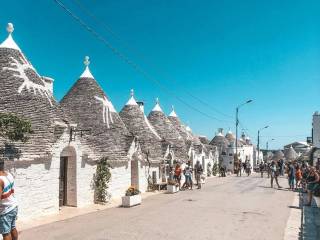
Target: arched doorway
[{"x": 68, "y": 177}]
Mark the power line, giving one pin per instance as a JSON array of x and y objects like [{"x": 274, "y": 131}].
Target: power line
[
  {"x": 298, "y": 135},
  {"x": 106, "y": 27},
  {"x": 129, "y": 62}
]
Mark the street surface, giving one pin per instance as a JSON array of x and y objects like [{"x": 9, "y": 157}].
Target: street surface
[{"x": 226, "y": 208}]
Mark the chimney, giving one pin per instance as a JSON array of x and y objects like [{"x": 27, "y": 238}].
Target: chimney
[{"x": 141, "y": 105}]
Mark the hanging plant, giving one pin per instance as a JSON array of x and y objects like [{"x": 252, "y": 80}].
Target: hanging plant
[{"x": 101, "y": 180}]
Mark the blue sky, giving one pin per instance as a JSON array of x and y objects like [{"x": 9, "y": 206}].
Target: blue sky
[{"x": 223, "y": 52}]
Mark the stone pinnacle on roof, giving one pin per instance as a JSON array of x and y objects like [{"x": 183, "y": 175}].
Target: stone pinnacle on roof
[
  {"x": 9, "y": 42},
  {"x": 132, "y": 101},
  {"x": 173, "y": 113},
  {"x": 157, "y": 107},
  {"x": 86, "y": 73}
]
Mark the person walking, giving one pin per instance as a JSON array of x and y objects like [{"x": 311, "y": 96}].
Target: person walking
[
  {"x": 268, "y": 169},
  {"x": 198, "y": 170},
  {"x": 281, "y": 166},
  {"x": 248, "y": 165},
  {"x": 313, "y": 184},
  {"x": 261, "y": 167},
  {"x": 8, "y": 206},
  {"x": 291, "y": 176},
  {"x": 274, "y": 174},
  {"x": 177, "y": 174},
  {"x": 298, "y": 176},
  {"x": 188, "y": 184}
]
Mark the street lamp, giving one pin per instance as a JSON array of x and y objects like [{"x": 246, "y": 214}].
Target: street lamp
[
  {"x": 237, "y": 123},
  {"x": 259, "y": 141},
  {"x": 267, "y": 144}
]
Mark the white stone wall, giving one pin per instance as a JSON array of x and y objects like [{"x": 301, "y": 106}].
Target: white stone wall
[
  {"x": 37, "y": 186},
  {"x": 120, "y": 180},
  {"x": 143, "y": 176},
  {"x": 85, "y": 190},
  {"x": 37, "y": 190}
]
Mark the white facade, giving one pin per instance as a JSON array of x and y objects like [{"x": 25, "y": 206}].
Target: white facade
[{"x": 37, "y": 185}]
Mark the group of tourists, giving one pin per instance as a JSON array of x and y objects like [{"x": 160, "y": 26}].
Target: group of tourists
[
  {"x": 188, "y": 172},
  {"x": 300, "y": 175},
  {"x": 243, "y": 167}
]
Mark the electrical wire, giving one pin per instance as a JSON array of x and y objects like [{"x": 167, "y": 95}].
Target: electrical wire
[
  {"x": 107, "y": 27},
  {"x": 135, "y": 66}
]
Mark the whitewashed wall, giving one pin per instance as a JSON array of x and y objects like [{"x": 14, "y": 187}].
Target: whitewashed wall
[
  {"x": 120, "y": 180},
  {"x": 37, "y": 186}
]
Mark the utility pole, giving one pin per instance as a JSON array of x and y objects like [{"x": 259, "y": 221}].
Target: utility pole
[
  {"x": 237, "y": 124},
  {"x": 267, "y": 144},
  {"x": 258, "y": 145}
]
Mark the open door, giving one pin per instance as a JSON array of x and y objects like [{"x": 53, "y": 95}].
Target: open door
[{"x": 63, "y": 178}]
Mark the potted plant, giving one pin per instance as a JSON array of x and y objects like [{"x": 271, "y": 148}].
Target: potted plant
[
  {"x": 132, "y": 197},
  {"x": 172, "y": 186}
]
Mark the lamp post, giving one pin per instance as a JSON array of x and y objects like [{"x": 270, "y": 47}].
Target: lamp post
[
  {"x": 237, "y": 123},
  {"x": 258, "y": 145},
  {"x": 267, "y": 144},
  {"x": 267, "y": 147}
]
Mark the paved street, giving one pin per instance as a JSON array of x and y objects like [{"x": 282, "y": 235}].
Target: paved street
[{"x": 226, "y": 208}]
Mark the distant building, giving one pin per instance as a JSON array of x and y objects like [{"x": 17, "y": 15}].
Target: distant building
[
  {"x": 226, "y": 146},
  {"x": 299, "y": 147},
  {"x": 316, "y": 130}
]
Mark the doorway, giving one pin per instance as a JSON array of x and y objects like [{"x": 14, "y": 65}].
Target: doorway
[
  {"x": 63, "y": 181},
  {"x": 68, "y": 177}
]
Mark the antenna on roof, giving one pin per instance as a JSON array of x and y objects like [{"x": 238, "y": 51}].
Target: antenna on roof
[
  {"x": 157, "y": 100},
  {"x": 131, "y": 92}
]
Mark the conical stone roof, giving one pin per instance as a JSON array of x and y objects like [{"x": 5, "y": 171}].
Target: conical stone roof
[
  {"x": 185, "y": 133},
  {"x": 290, "y": 154},
  {"x": 277, "y": 155},
  {"x": 168, "y": 132},
  {"x": 219, "y": 140},
  {"x": 25, "y": 93},
  {"x": 230, "y": 136},
  {"x": 88, "y": 105},
  {"x": 138, "y": 124}
]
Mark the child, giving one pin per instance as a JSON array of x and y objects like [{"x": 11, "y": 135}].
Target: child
[{"x": 298, "y": 177}]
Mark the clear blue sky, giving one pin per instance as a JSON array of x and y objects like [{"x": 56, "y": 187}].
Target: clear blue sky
[{"x": 224, "y": 52}]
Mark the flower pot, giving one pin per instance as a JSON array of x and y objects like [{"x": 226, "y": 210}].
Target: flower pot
[
  {"x": 129, "y": 201},
  {"x": 172, "y": 188}
]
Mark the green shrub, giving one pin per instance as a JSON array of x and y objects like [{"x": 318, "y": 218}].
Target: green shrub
[{"x": 101, "y": 180}]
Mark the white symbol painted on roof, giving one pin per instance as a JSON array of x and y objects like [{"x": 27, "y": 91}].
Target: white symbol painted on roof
[
  {"x": 20, "y": 71},
  {"x": 106, "y": 111}
]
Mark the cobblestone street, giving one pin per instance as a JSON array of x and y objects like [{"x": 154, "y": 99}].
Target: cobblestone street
[{"x": 226, "y": 208}]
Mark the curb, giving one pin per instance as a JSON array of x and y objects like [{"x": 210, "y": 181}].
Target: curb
[{"x": 293, "y": 227}]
